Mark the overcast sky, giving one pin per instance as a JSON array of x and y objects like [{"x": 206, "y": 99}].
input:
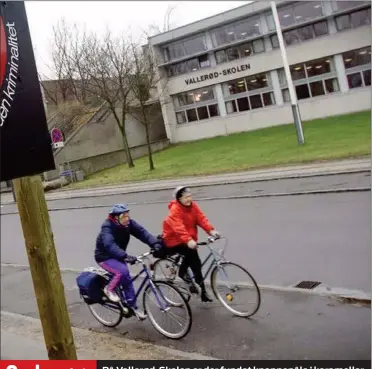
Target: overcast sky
[{"x": 118, "y": 15}]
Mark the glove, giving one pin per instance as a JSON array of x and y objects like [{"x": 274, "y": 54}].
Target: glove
[
  {"x": 215, "y": 234},
  {"x": 192, "y": 244},
  {"x": 131, "y": 259},
  {"x": 157, "y": 246}
]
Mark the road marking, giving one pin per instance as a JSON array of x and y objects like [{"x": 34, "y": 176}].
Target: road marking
[{"x": 322, "y": 290}]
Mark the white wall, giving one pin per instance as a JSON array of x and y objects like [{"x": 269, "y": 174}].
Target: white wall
[{"x": 319, "y": 107}]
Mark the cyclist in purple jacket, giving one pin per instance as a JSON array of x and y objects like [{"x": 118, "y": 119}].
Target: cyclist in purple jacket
[{"x": 111, "y": 255}]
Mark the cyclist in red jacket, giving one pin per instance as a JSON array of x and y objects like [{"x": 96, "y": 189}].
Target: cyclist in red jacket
[{"x": 180, "y": 234}]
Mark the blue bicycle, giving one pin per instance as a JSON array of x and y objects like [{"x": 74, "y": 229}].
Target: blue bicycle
[{"x": 169, "y": 303}]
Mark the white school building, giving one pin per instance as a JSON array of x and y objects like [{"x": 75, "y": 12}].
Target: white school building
[{"x": 225, "y": 74}]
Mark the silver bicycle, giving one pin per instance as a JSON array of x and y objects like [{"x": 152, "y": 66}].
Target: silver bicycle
[{"x": 233, "y": 286}]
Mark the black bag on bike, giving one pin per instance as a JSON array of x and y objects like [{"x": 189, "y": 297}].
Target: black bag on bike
[{"x": 90, "y": 287}]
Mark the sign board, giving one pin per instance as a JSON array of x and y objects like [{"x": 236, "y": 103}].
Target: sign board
[
  {"x": 214, "y": 75},
  {"x": 56, "y": 135},
  {"x": 25, "y": 147},
  {"x": 57, "y": 145}
]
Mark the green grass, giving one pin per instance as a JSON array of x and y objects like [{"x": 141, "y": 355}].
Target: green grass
[{"x": 331, "y": 138}]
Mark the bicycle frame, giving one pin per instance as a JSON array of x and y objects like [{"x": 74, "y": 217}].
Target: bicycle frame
[
  {"x": 216, "y": 259},
  {"x": 147, "y": 280}
]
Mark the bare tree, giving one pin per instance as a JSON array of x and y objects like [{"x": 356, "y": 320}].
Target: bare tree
[
  {"x": 144, "y": 79},
  {"x": 106, "y": 63},
  {"x": 97, "y": 69}
]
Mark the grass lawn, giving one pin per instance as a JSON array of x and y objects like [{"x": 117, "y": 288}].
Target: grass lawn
[{"x": 331, "y": 138}]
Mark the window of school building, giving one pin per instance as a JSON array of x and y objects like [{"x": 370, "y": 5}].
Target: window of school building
[
  {"x": 358, "y": 67},
  {"x": 312, "y": 78},
  {"x": 192, "y": 106},
  {"x": 248, "y": 93}
]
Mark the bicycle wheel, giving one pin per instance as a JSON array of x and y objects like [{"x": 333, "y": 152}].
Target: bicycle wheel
[
  {"x": 166, "y": 270},
  {"x": 99, "y": 312},
  {"x": 168, "y": 309},
  {"x": 236, "y": 289}
]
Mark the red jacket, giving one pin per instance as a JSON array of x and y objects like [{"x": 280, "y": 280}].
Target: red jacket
[{"x": 180, "y": 226}]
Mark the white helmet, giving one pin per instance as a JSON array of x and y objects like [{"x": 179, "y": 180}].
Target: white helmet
[{"x": 179, "y": 191}]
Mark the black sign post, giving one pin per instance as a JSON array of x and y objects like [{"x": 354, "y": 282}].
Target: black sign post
[{"x": 25, "y": 153}]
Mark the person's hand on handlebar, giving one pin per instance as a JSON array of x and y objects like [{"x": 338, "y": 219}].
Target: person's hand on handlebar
[
  {"x": 131, "y": 259},
  {"x": 215, "y": 234},
  {"x": 192, "y": 244}
]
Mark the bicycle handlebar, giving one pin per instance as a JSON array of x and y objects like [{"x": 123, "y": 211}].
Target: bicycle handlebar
[
  {"x": 210, "y": 239},
  {"x": 139, "y": 258}
]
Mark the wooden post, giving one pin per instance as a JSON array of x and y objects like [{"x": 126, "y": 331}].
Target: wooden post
[{"x": 46, "y": 276}]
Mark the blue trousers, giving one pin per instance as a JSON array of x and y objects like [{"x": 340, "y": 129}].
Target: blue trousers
[{"x": 121, "y": 276}]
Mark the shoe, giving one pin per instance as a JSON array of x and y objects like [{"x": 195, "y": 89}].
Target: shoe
[
  {"x": 112, "y": 296},
  {"x": 193, "y": 289},
  {"x": 205, "y": 297},
  {"x": 139, "y": 314}
]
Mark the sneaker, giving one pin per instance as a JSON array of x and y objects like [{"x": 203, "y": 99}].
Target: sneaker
[
  {"x": 112, "y": 296},
  {"x": 139, "y": 314}
]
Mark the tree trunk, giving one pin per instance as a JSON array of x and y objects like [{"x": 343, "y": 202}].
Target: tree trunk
[
  {"x": 45, "y": 272},
  {"x": 124, "y": 137},
  {"x": 149, "y": 150}
]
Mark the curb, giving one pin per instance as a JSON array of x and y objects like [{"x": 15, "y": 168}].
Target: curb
[
  {"x": 163, "y": 187},
  {"x": 235, "y": 197},
  {"x": 343, "y": 294},
  {"x": 172, "y": 352}
]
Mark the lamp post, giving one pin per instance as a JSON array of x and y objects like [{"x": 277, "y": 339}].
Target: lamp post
[{"x": 292, "y": 94}]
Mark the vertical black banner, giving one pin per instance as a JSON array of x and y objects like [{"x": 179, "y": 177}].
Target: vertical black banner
[{"x": 25, "y": 144}]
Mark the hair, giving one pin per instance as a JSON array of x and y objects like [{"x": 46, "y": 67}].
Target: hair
[{"x": 182, "y": 192}]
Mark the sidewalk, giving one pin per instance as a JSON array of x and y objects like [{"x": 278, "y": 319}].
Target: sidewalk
[
  {"x": 22, "y": 339},
  {"x": 287, "y": 172}
]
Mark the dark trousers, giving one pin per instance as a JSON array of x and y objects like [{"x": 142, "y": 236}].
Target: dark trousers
[{"x": 191, "y": 260}]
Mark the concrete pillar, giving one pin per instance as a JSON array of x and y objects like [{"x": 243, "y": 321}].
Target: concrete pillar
[
  {"x": 211, "y": 55},
  {"x": 276, "y": 86},
  {"x": 264, "y": 30},
  {"x": 341, "y": 74},
  {"x": 327, "y": 10},
  {"x": 220, "y": 100}
]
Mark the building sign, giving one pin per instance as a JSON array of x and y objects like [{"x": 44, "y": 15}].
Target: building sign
[
  {"x": 214, "y": 75},
  {"x": 25, "y": 141}
]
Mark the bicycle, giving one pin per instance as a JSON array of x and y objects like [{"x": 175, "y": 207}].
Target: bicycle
[
  {"x": 151, "y": 287},
  {"x": 217, "y": 266}
]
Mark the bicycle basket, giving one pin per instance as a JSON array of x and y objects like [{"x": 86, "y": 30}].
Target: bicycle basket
[{"x": 90, "y": 287}]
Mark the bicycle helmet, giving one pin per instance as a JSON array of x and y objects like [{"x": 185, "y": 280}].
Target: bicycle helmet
[
  {"x": 119, "y": 209},
  {"x": 179, "y": 191}
]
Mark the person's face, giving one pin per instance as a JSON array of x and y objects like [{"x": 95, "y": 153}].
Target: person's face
[
  {"x": 186, "y": 199},
  {"x": 124, "y": 219}
]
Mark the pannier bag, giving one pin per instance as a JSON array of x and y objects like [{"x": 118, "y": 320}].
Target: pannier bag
[{"x": 90, "y": 287}]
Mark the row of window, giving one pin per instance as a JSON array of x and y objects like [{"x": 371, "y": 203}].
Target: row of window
[
  {"x": 354, "y": 19},
  {"x": 291, "y": 37},
  {"x": 292, "y": 15},
  {"x": 311, "y": 79},
  {"x": 302, "y": 11},
  {"x": 301, "y": 34}
]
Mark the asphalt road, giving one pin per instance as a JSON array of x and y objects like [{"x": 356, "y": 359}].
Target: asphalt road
[
  {"x": 288, "y": 325},
  {"x": 281, "y": 186},
  {"x": 280, "y": 240}
]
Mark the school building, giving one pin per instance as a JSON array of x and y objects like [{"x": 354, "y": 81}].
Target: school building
[{"x": 225, "y": 74}]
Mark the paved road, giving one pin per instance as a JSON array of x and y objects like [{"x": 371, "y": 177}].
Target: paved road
[
  {"x": 288, "y": 325},
  {"x": 321, "y": 183},
  {"x": 282, "y": 240}
]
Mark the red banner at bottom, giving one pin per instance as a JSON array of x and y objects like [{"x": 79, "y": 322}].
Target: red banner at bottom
[{"x": 48, "y": 364}]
